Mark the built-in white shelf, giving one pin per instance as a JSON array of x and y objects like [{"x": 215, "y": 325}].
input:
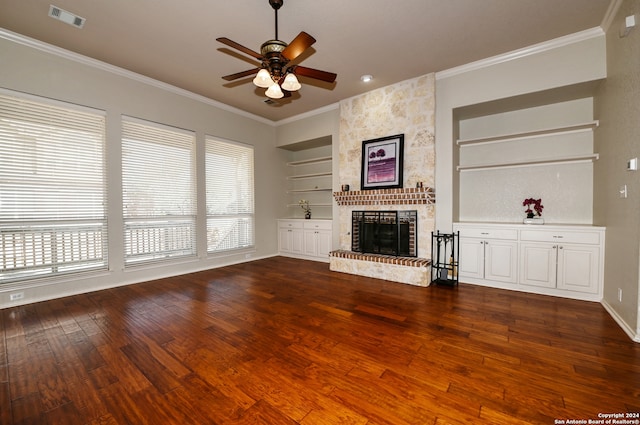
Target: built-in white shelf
[
  {"x": 588, "y": 126},
  {"x": 309, "y": 176},
  {"x": 310, "y": 161},
  {"x": 529, "y": 163}
]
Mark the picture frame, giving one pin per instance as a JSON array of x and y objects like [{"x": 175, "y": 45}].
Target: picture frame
[{"x": 382, "y": 163}]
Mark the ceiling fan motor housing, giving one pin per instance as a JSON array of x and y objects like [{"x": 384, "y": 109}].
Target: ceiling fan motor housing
[{"x": 271, "y": 50}]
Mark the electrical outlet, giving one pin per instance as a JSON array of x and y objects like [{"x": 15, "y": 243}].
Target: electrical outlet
[
  {"x": 619, "y": 294},
  {"x": 16, "y": 296}
]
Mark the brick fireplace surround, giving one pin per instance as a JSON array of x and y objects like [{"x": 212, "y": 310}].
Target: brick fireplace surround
[{"x": 410, "y": 270}]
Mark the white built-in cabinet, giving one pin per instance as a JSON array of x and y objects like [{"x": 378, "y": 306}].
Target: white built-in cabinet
[
  {"x": 307, "y": 239},
  {"x": 290, "y": 237},
  {"x": 559, "y": 260},
  {"x": 317, "y": 238},
  {"x": 562, "y": 259},
  {"x": 490, "y": 254}
]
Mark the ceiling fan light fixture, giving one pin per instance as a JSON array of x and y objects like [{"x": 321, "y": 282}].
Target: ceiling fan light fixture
[
  {"x": 263, "y": 79},
  {"x": 274, "y": 57},
  {"x": 291, "y": 83},
  {"x": 274, "y": 91}
]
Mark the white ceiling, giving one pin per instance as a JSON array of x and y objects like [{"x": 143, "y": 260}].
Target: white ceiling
[{"x": 174, "y": 41}]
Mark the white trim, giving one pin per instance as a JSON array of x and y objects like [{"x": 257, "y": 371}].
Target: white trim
[
  {"x": 161, "y": 126},
  {"x": 67, "y": 54},
  {"x": 625, "y": 327},
  {"x": 52, "y": 102},
  {"x": 521, "y": 53},
  {"x": 308, "y": 114},
  {"x": 610, "y": 15}
]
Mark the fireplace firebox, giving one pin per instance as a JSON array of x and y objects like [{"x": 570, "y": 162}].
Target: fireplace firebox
[{"x": 385, "y": 232}]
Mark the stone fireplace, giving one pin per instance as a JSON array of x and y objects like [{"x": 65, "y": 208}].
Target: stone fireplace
[
  {"x": 404, "y": 108},
  {"x": 413, "y": 206}
]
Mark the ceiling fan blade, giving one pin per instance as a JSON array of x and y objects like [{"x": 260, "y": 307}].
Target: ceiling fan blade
[
  {"x": 237, "y": 75},
  {"x": 329, "y": 77},
  {"x": 230, "y": 43},
  {"x": 297, "y": 46}
]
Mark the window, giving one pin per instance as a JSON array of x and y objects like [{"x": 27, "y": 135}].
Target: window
[
  {"x": 52, "y": 188},
  {"x": 159, "y": 193},
  {"x": 230, "y": 214}
]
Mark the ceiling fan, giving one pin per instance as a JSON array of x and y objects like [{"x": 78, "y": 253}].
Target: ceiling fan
[{"x": 277, "y": 73}]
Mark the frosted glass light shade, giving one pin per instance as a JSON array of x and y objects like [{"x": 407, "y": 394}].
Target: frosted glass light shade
[
  {"x": 263, "y": 79},
  {"x": 274, "y": 91},
  {"x": 291, "y": 83}
]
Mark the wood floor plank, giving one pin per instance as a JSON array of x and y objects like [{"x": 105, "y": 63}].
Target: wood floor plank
[
  {"x": 159, "y": 376},
  {"x": 6, "y": 412},
  {"x": 285, "y": 341}
]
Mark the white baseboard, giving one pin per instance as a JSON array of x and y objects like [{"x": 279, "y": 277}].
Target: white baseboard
[{"x": 633, "y": 334}]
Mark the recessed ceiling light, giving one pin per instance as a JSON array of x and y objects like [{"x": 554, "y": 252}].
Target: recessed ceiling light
[{"x": 366, "y": 78}]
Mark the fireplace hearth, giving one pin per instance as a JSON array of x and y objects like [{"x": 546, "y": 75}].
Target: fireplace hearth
[{"x": 385, "y": 232}]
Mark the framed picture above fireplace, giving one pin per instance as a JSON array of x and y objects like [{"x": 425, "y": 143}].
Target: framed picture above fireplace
[{"x": 382, "y": 161}]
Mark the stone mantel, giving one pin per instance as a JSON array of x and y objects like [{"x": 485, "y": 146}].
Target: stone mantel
[{"x": 410, "y": 196}]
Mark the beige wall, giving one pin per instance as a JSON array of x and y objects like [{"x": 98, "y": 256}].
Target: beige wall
[
  {"x": 618, "y": 139},
  {"x": 79, "y": 80}
]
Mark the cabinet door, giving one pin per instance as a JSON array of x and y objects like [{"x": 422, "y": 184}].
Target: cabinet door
[
  {"x": 311, "y": 242},
  {"x": 471, "y": 261},
  {"x": 297, "y": 236},
  {"x": 578, "y": 268},
  {"x": 501, "y": 260},
  {"x": 284, "y": 239},
  {"x": 538, "y": 264},
  {"x": 324, "y": 243}
]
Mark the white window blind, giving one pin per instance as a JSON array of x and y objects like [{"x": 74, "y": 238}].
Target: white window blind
[
  {"x": 52, "y": 188},
  {"x": 230, "y": 197},
  {"x": 159, "y": 194}
]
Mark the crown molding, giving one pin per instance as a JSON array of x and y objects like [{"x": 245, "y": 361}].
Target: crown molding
[
  {"x": 308, "y": 114},
  {"x": 521, "y": 53},
  {"x": 94, "y": 63},
  {"x": 610, "y": 15}
]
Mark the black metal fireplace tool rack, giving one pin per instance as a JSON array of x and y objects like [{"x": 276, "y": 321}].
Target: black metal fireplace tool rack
[{"x": 445, "y": 250}]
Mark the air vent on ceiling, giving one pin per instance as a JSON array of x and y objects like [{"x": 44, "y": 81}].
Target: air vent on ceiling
[
  {"x": 66, "y": 17},
  {"x": 270, "y": 101}
]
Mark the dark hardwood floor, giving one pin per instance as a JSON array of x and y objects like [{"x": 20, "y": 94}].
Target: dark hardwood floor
[{"x": 284, "y": 341}]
